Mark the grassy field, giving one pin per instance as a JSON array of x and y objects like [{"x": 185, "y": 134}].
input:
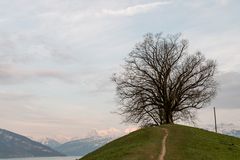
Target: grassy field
[
  {"x": 143, "y": 144},
  {"x": 183, "y": 143},
  {"x": 187, "y": 143}
]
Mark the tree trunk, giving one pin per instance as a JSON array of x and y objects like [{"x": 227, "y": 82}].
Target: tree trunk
[{"x": 168, "y": 118}]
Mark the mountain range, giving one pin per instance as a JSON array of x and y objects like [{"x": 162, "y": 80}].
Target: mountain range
[
  {"x": 50, "y": 142},
  {"x": 79, "y": 147},
  {"x": 13, "y": 145},
  {"x": 227, "y": 129},
  {"x": 235, "y": 133}
]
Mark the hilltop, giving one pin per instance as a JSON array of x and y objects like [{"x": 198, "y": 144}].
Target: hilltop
[{"x": 183, "y": 143}]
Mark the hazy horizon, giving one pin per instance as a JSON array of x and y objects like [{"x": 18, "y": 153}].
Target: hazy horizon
[{"x": 58, "y": 56}]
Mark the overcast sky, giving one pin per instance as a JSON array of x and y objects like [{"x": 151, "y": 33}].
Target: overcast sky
[{"x": 57, "y": 58}]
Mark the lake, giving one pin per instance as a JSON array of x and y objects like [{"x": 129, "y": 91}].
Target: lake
[{"x": 44, "y": 158}]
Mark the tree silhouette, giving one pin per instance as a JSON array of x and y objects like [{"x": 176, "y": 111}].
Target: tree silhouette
[{"x": 161, "y": 83}]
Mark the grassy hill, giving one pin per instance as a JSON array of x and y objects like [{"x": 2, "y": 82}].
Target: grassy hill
[{"x": 183, "y": 143}]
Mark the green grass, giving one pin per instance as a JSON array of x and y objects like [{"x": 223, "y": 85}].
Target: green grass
[
  {"x": 139, "y": 145},
  {"x": 183, "y": 143},
  {"x": 187, "y": 143}
]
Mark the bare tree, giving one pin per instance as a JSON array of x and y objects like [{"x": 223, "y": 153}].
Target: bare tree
[{"x": 161, "y": 83}]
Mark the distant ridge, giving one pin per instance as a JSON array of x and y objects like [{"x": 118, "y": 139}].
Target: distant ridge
[
  {"x": 13, "y": 145},
  {"x": 82, "y": 147},
  {"x": 52, "y": 143}
]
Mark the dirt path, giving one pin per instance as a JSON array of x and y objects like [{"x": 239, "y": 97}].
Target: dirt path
[{"x": 163, "y": 151}]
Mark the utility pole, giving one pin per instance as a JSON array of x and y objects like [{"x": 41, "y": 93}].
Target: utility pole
[{"x": 215, "y": 119}]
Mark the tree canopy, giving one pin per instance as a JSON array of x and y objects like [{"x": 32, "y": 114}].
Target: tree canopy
[{"x": 161, "y": 82}]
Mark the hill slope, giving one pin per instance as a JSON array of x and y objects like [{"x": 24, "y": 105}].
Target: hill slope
[
  {"x": 183, "y": 143},
  {"x": 13, "y": 145}
]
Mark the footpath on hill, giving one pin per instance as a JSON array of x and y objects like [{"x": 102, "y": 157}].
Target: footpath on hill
[{"x": 163, "y": 151}]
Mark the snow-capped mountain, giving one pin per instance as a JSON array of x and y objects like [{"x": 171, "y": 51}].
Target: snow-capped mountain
[
  {"x": 13, "y": 145},
  {"x": 82, "y": 147},
  {"x": 73, "y": 146},
  {"x": 228, "y": 129},
  {"x": 50, "y": 142},
  {"x": 235, "y": 133}
]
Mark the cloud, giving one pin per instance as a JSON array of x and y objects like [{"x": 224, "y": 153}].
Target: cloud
[
  {"x": 222, "y": 127},
  {"x": 111, "y": 132},
  {"x": 224, "y": 115},
  {"x": 204, "y": 4},
  {"x": 12, "y": 74},
  {"x": 130, "y": 129},
  {"x": 15, "y": 96},
  {"x": 222, "y": 2},
  {"x": 23, "y": 47},
  {"x": 114, "y": 132},
  {"x": 229, "y": 90},
  {"x": 133, "y": 10}
]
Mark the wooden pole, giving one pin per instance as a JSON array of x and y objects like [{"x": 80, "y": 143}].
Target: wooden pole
[{"x": 215, "y": 119}]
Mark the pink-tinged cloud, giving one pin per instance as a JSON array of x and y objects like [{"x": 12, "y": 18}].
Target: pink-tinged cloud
[{"x": 13, "y": 74}]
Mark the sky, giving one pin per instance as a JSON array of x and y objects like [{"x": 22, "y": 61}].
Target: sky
[{"x": 57, "y": 58}]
